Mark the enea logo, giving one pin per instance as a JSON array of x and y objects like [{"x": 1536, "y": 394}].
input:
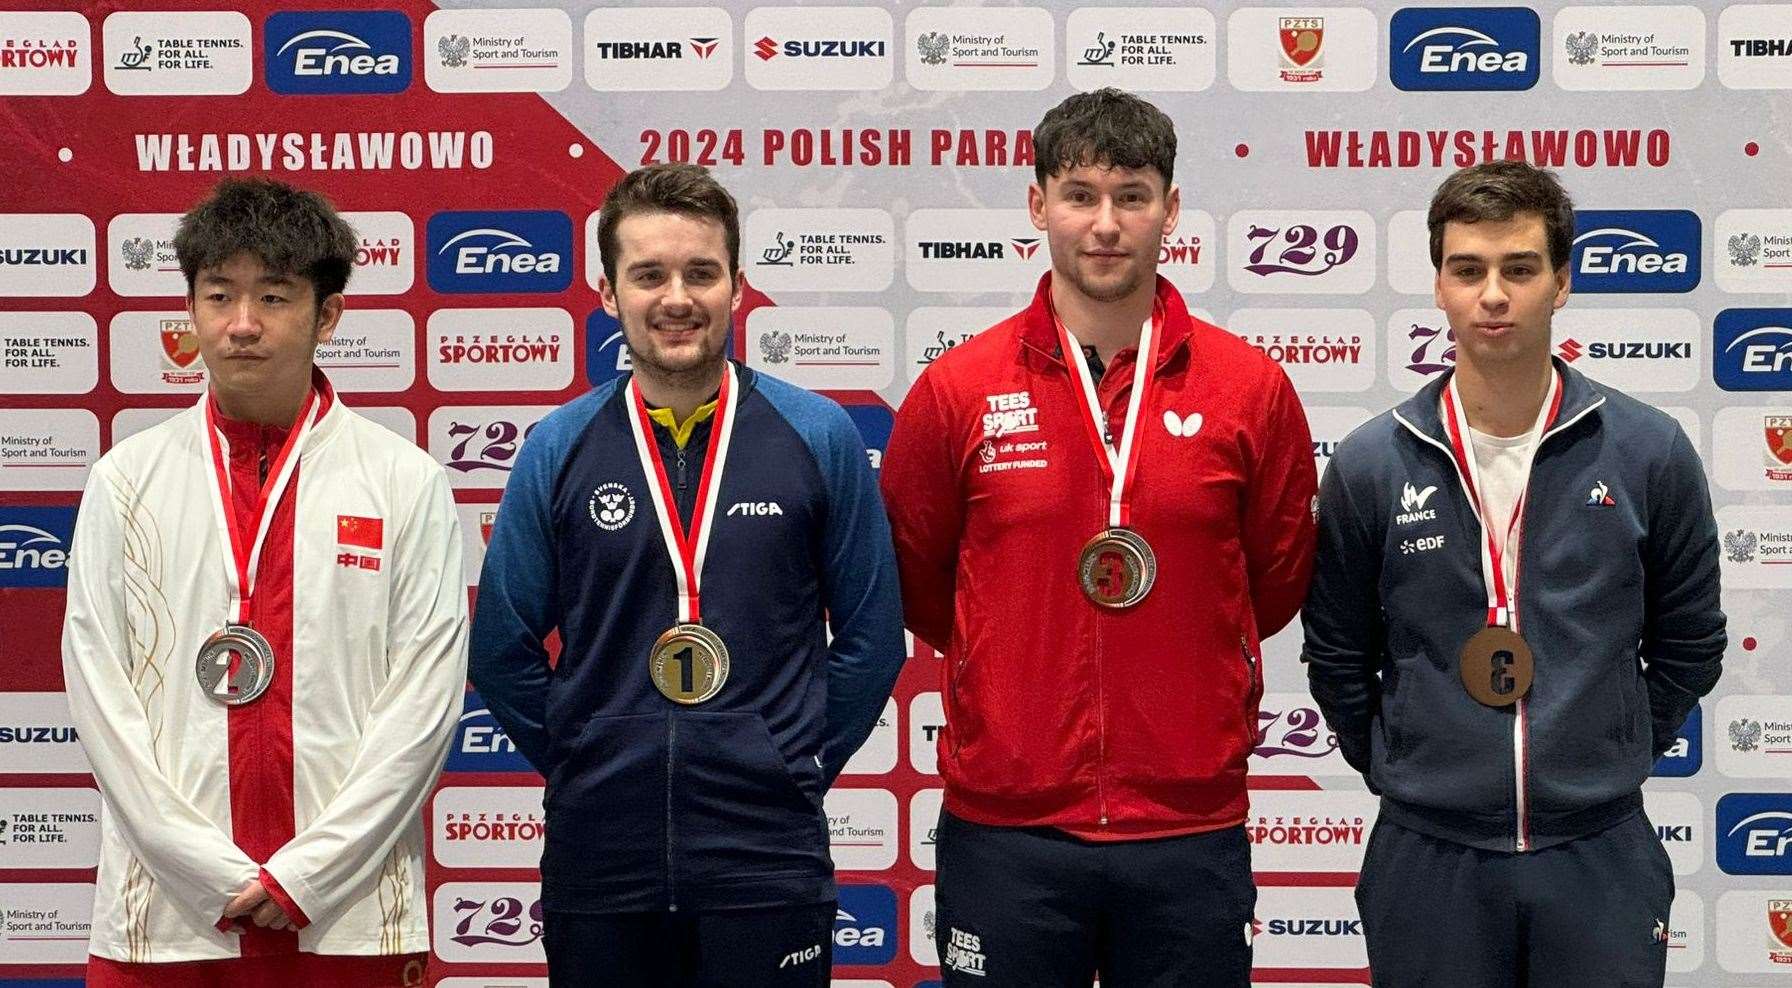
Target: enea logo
[
  {"x": 606, "y": 352},
  {"x": 874, "y": 422},
  {"x": 865, "y": 925},
  {"x": 34, "y": 546},
  {"x": 338, "y": 51},
  {"x": 516, "y": 251},
  {"x": 480, "y": 745},
  {"x": 1639, "y": 250},
  {"x": 1465, "y": 48},
  {"x": 1752, "y": 350},
  {"x": 1754, "y": 833},
  {"x": 1685, "y": 756}
]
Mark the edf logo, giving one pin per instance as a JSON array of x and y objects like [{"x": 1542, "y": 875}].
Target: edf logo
[
  {"x": 480, "y": 745},
  {"x": 34, "y": 546},
  {"x": 516, "y": 251},
  {"x": 1636, "y": 250},
  {"x": 1684, "y": 757},
  {"x": 865, "y": 925},
  {"x": 1463, "y": 48},
  {"x": 338, "y": 51},
  {"x": 1752, "y": 350},
  {"x": 1754, "y": 833}
]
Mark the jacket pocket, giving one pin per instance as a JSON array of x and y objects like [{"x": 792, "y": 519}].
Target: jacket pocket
[
  {"x": 739, "y": 810},
  {"x": 606, "y": 807},
  {"x": 1253, "y": 692}
]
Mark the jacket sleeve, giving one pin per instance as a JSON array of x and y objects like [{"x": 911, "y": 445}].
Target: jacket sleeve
[
  {"x": 921, "y": 492},
  {"x": 1683, "y": 623},
  {"x": 197, "y": 865},
  {"x": 1278, "y": 510},
  {"x": 518, "y": 605},
  {"x": 1342, "y": 619},
  {"x": 860, "y": 592},
  {"x": 409, "y": 726}
]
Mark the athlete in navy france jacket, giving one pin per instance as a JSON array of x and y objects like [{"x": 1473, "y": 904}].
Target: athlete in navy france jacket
[
  {"x": 651, "y": 805},
  {"x": 1619, "y": 564}
]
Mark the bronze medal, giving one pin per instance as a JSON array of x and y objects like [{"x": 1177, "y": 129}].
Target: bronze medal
[
  {"x": 1497, "y": 667},
  {"x": 688, "y": 664},
  {"x": 235, "y": 665},
  {"x": 1117, "y": 568}
]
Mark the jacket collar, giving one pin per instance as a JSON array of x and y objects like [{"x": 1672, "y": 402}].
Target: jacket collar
[
  {"x": 1038, "y": 331},
  {"x": 1421, "y": 413}
]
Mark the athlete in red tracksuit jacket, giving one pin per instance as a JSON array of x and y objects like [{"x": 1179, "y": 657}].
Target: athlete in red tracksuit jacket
[{"x": 1075, "y": 731}]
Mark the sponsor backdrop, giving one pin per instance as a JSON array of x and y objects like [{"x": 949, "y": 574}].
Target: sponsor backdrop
[{"x": 881, "y": 157}]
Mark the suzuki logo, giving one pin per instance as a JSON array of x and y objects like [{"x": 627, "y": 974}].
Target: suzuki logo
[
  {"x": 1570, "y": 350},
  {"x": 765, "y": 48}
]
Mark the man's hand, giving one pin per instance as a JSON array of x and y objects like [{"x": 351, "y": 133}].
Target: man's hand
[{"x": 255, "y": 903}]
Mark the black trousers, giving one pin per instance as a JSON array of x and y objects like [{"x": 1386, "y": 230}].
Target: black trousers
[
  {"x": 787, "y": 947},
  {"x": 1033, "y": 907},
  {"x": 1589, "y": 913}
]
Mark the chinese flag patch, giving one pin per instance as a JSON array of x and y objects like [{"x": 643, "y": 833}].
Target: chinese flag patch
[{"x": 364, "y": 532}]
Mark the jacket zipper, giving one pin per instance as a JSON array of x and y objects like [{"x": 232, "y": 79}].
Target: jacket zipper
[
  {"x": 1521, "y": 831},
  {"x": 671, "y": 744},
  {"x": 681, "y": 469}
]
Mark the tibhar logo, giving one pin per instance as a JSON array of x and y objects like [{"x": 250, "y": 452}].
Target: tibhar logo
[
  {"x": 1600, "y": 496},
  {"x": 611, "y": 506},
  {"x": 506, "y": 253},
  {"x": 705, "y": 47},
  {"x": 759, "y": 508},
  {"x": 336, "y": 53},
  {"x": 1453, "y": 54},
  {"x": 1026, "y": 247},
  {"x": 1637, "y": 254},
  {"x": 1182, "y": 428},
  {"x": 1412, "y": 504}
]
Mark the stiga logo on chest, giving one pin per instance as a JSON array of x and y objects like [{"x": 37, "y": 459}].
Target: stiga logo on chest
[
  {"x": 1010, "y": 413},
  {"x": 754, "y": 508}
]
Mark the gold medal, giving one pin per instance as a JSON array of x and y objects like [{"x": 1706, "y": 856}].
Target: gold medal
[
  {"x": 1497, "y": 667},
  {"x": 235, "y": 665},
  {"x": 689, "y": 664},
  {"x": 1117, "y": 568}
]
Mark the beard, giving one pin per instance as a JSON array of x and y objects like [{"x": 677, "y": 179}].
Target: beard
[
  {"x": 1106, "y": 291},
  {"x": 689, "y": 364}
]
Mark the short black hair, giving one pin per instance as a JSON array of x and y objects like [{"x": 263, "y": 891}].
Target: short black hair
[
  {"x": 1107, "y": 127},
  {"x": 1498, "y": 190},
  {"x": 686, "y": 189},
  {"x": 291, "y": 231}
]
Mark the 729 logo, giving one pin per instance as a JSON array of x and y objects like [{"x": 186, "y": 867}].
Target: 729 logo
[
  {"x": 503, "y": 920},
  {"x": 479, "y": 445},
  {"x": 1298, "y": 253}
]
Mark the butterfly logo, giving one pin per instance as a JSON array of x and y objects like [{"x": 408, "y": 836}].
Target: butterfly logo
[{"x": 1182, "y": 427}]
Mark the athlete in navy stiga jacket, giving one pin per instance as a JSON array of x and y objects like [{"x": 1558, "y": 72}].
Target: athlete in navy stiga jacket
[{"x": 651, "y": 805}]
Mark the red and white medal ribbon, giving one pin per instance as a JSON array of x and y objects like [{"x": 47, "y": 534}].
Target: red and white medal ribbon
[
  {"x": 245, "y": 556},
  {"x": 1118, "y": 466},
  {"x": 687, "y": 548},
  {"x": 1502, "y": 602}
]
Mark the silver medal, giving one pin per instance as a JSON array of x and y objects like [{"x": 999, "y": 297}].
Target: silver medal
[{"x": 235, "y": 665}]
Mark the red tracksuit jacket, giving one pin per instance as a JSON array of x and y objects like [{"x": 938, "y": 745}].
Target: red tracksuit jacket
[{"x": 1108, "y": 724}]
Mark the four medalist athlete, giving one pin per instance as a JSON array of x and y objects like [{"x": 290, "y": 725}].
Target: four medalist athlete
[
  {"x": 1515, "y": 606},
  {"x": 265, "y": 646},
  {"x": 1101, "y": 507},
  {"x": 693, "y": 531}
]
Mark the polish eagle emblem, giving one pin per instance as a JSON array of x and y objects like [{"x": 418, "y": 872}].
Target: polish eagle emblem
[
  {"x": 1739, "y": 546},
  {"x": 1745, "y": 249},
  {"x": 1582, "y": 46},
  {"x": 1745, "y": 734},
  {"x": 454, "y": 50},
  {"x": 138, "y": 253},
  {"x": 775, "y": 346},
  {"x": 932, "y": 47}
]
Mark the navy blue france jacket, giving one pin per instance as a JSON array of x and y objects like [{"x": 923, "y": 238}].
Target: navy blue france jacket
[{"x": 1618, "y": 600}]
